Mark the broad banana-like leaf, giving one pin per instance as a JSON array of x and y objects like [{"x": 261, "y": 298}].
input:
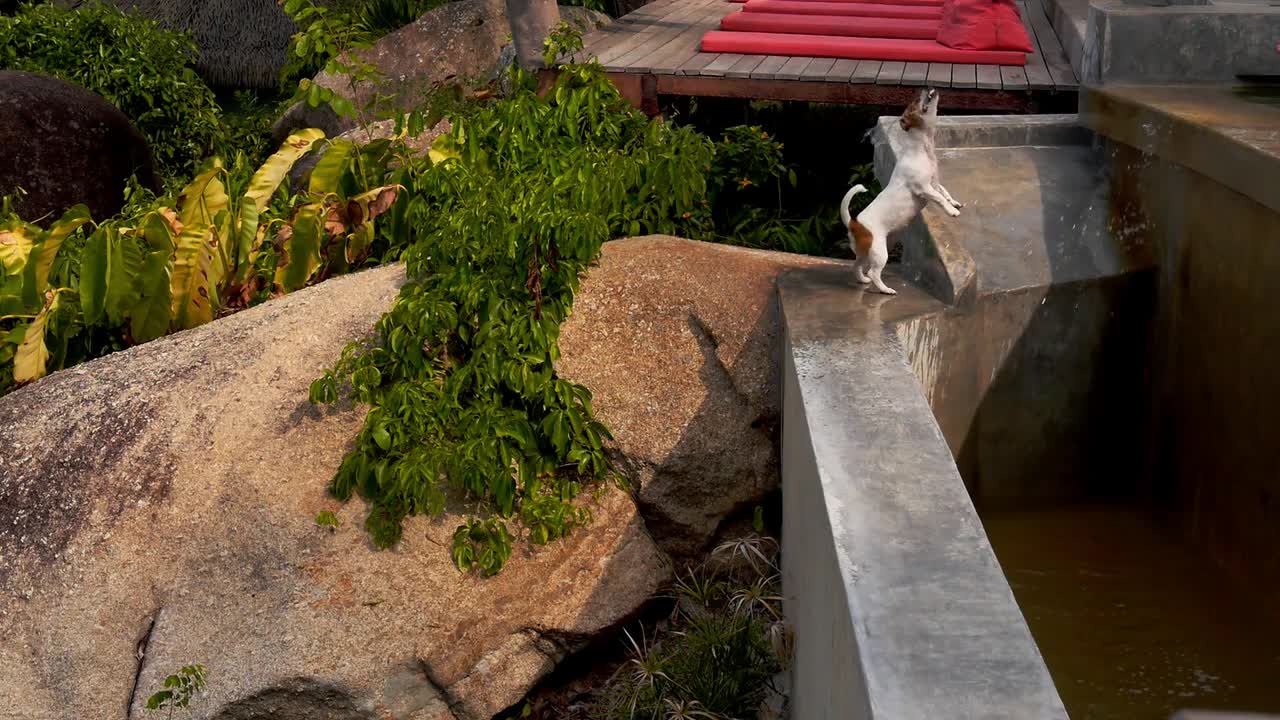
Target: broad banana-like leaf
[
  {"x": 93, "y": 276},
  {"x": 149, "y": 317},
  {"x": 268, "y": 177},
  {"x": 16, "y": 240},
  {"x": 31, "y": 360},
  {"x": 158, "y": 230},
  {"x": 109, "y": 269},
  {"x": 327, "y": 173},
  {"x": 301, "y": 248},
  {"x": 223, "y": 258},
  {"x": 204, "y": 196},
  {"x": 262, "y": 186},
  {"x": 192, "y": 294},
  {"x": 36, "y": 273},
  {"x": 247, "y": 239}
]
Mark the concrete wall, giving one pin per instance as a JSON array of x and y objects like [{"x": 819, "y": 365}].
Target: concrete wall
[
  {"x": 1213, "y": 452},
  {"x": 1188, "y": 167},
  {"x": 900, "y": 609},
  {"x": 1178, "y": 44}
]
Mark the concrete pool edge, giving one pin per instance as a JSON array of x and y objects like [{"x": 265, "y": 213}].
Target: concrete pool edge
[{"x": 899, "y": 605}]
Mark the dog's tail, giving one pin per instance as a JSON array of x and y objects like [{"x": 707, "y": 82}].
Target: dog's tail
[{"x": 844, "y": 204}]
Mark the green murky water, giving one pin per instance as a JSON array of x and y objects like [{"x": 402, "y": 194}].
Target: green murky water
[{"x": 1133, "y": 623}]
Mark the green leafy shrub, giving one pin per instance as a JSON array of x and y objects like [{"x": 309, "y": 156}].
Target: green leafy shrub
[
  {"x": 180, "y": 689},
  {"x": 461, "y": 376},
  {"x": 145, "y": 71},
  {"x": 230, "y": 239}
]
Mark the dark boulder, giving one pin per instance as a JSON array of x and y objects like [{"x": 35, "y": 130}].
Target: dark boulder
[{"x": 65, "y": 145}]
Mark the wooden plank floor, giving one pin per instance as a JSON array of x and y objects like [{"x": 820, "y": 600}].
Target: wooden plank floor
[{"x": 658, "y": 48}]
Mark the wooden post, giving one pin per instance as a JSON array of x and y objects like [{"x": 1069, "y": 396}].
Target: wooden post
[{"x": 639, "y": 90}]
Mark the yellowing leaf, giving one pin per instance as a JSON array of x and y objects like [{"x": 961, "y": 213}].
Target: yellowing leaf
[
  {"x": 268, "y": 177},
  {"x": 16, "y": 241},
  {"x": 192, "y": 298},
  {"x": 204, "y": 197},
  {"x": 31, "y": 360}
]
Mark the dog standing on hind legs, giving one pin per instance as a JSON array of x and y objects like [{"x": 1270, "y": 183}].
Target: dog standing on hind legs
[{"x": 913, "y": 185}]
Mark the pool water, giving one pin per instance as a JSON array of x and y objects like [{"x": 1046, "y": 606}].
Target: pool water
[{"x": 1133, "y": 623}]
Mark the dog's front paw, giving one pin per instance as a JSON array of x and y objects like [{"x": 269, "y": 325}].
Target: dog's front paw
[
  {"x": 957, "y": 203},
  {"x": 953, "y": 212}
]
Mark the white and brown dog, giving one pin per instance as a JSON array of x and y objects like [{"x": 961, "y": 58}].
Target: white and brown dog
[{"x": 914, "y": 183}]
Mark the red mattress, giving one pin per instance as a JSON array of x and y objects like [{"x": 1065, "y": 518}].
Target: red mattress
[
  {"x": 926, "y": 3},
  {"x": 851, "y": 9},
  {"x": 832, "y": 25},
  {"x": 852, "y": 48}
]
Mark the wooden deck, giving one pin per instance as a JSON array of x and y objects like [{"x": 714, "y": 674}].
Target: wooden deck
[{"x": 655, "y": 51}]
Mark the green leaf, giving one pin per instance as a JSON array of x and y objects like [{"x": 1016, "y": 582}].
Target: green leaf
[
  {"x": 108, "y": 270},
  {"x": 149, "y": 317},
  {"x": 328, "y": 171},
  {"x": 93, "y": 277},
  {"x": 302, "y": 248},
  {"x": 39, "y": 262}
]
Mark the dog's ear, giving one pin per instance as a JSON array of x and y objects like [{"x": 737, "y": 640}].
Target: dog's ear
[{"x": 911, "y": 119}]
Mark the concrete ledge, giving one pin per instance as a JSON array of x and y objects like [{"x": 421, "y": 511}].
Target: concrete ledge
[
  {"x": 1180, "y": 44},
  {"x": 900, "y": 608},
  {"x": 1218, "y": 132}
]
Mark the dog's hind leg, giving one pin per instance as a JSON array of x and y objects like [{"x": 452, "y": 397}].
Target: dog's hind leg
[
  {"x": 861, "y": 239},
  {"x": 876, "y": 260},
  {"x": 859, "y": 271}
]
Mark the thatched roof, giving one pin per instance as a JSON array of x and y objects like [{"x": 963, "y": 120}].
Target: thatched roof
[{"x": 242, "y": 42}]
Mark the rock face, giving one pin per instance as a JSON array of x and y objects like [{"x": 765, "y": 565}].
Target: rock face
[
  {"x": 679, "y": 342},
  {"x": 164, "y": 498},
  {"x": 159, "y": 503},
  {"x": 458, "y": 41},
  {"x": 66, "y": 145}
]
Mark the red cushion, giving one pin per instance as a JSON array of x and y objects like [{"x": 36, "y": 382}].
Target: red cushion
[
  {"x": 852, "y": 48},
  {"x": 831, "y": 25},
  {"x": 983, "y": 25},
  {"x": 930, "y": 3},
  {"x": 806, "y": 7}
]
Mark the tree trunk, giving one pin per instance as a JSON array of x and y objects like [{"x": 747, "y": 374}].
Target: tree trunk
[{"x": 531, "y": 21}]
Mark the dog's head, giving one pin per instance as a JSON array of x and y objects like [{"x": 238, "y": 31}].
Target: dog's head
[{"x": 922, "y": 112}]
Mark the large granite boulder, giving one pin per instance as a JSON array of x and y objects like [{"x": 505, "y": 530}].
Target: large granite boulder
[
  {"x": 157, "y": 506},
  {"x": 679, "y": 342},
  {"x": 459, "y": 41},
  {"x": 65, "y": 145}
]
